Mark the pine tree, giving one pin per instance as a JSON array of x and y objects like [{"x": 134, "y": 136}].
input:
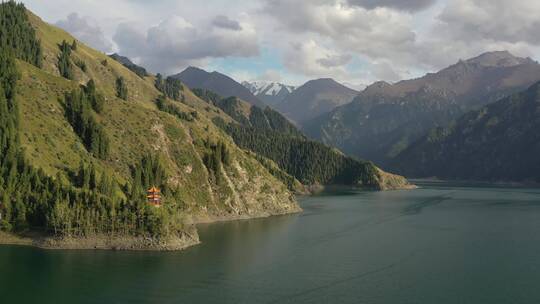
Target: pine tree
[
  {"x": 93, "y": 182},
  {"x": 65, "y": 67},
  {"x": 121, "y": 88},
  {"x": 80, "y": 115}
]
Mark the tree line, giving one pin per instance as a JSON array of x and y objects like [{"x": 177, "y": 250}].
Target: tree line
[
  {"x": 80, "y": 108},
  {"x": 166, "y": 106},
  {"x": 310, "y": 162},
  {"x": 170, "y": 87}
]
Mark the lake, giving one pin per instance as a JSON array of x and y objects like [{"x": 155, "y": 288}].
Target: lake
[{"x": 437, "y": 244}]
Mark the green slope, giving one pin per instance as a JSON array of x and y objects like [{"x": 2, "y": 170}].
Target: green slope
[{"x": 135, "y": 128}]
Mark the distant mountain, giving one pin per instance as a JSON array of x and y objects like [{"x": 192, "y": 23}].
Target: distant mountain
[
  {"x": 384, "y": 119},
  {"x": 270, "y": 93},
  {"x": 219, "y": 83},
  {"x": 315, "y": 98},
  {"x": 130, "y": 65},
  {"x": 499, "y": 142}
]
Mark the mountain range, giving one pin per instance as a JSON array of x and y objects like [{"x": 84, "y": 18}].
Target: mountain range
[
  {"x": 385, "y": 119},
  {"x": 300, "y": 104},
  {"x": 498, "y": 142}
]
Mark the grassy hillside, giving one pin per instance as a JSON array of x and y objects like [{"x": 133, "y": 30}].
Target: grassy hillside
[{"x": 194, "y": 188}]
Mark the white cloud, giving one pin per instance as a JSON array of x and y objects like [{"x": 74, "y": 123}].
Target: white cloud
[
  {"x": 329, "y": 35},
  {"x": 175, "y": 43},
  {"x": 355, "y": 41},
  {"x": 466, "y": 28},
  {"x": 335, "y": 60},
  {"x": 270, "y": 76},
  {"x": 497, "y": 20},
  {"x": 310, "y": 58},
  {"x": 84, "y": 29},
  {"x": 405, "y": 5},
  {"x": 384, "y": 70}
]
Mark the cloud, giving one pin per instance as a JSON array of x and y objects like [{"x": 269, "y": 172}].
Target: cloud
[
  {"x": 393, "y": 42},
  {"x": 374, "y": 34},
  {"x": 497, "y": 20},
  {"x": 384, "y": 70},
  {"x": 405, "y": 5},
  {"x": 335, "y": 60},
  {"x": 226, "y": 23},
  {"x": 175, "y": 43},
  {"x": 311, "y": 59},
  {"x": 82, "y": 29},
  {"x": 466, "y": 28},
  {"x": 355, "y": 41},
  {"x": 270, "y": 76}
]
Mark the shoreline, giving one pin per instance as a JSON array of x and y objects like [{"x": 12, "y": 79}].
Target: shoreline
[
  {"x": 42, "y": 240},
  {"x": 210, "y": 219},
  {"x": 180, "y": 242},
  {"x": 184, "y": 240},
  {"x": 475, "y": 183}
]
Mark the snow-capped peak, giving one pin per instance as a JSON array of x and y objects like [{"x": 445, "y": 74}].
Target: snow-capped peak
[{"x": 267, "y": 88}]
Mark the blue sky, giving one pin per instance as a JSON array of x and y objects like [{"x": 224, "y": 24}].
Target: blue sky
[{"x": 353, "y": 41}]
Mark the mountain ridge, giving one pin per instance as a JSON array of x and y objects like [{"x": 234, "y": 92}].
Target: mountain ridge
[
  {"x": 217, "y": 82},
  {"x": 385, "y": 119},
  {"x": 498, "y": 142}
]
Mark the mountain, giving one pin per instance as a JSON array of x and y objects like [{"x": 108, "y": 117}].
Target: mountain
[
  {"x": 130, "y": 65},
  {"x": 271, "y": 93},
  {"x": 273, "y": 138},
  {"x": 315, "y": 98},
  {"x": 384, "y": 119},
  {"x": 499, "y": 142},
  {"x": 82, "y": 138},
  {"x": 221, "y": 84}
]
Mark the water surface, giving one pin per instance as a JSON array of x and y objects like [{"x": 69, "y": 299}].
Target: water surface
[{"x": 438, "y": 244}]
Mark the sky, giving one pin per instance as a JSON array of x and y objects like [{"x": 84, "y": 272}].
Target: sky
[{"x": 355, "y": 42}]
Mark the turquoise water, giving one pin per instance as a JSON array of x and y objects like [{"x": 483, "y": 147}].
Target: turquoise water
[{"x": 438, "y": 244}]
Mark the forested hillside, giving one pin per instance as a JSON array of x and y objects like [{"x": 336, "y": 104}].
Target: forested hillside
[
  {"x": 499, "y": 142},
  {"x": 269, "y": 134},
  {"x": 83, "y": 137}
]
